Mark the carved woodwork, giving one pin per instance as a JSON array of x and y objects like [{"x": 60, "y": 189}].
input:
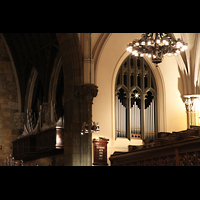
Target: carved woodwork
[
  {"x": 169, "y": 149},
  {"x": 24, "y": 147},
  {"x": 100, "y": 152},
  {"x": 45, "y": 143}
]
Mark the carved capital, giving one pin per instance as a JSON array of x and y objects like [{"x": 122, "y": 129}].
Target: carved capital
[
  {"x": 86, "y": 91},
  {"x": 192, "y": 102}
]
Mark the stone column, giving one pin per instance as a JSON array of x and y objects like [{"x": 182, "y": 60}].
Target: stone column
[
  {"x": 192, "y": 104},
  {"x": 88, "y": 62},
  {"x": 85, "y": 93}
]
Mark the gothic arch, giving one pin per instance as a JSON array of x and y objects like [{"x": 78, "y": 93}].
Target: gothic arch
[
  {"x": 160, "y": 92},
  {"x": 15, "y": 73},
  {"x": 54, "y": 78},
  {"x": 30, "y": 89}
]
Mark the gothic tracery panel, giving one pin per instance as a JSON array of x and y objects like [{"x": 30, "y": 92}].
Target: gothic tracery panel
[{"x": 135, "y": 100}]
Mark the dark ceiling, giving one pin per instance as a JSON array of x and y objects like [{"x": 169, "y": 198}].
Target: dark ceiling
[{"x": 33, "y": 50}]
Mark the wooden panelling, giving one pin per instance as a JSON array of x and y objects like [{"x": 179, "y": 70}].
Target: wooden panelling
[{"x": 175, "y": 149}]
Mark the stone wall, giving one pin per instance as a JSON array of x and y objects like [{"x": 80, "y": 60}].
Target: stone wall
[
  {"x": 8, "y": 104},
  {"x": 57, "y": 160}
]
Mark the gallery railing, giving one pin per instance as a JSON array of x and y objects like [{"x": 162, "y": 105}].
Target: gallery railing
[
  {"x": 42, "y": 144},
  {"x": 169, "y": 149}
]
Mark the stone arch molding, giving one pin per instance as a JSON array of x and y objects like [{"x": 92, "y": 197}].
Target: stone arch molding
[
  {"x": 116, "y": 42},
  {"x": 54, "y": 78},
  {"x": 160, "y": 91}
]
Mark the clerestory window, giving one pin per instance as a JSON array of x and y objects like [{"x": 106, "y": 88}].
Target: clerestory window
[{"x": 135, "y": 100}]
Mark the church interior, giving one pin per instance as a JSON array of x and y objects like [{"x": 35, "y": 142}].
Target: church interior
[{"x": 99, "y": 99}]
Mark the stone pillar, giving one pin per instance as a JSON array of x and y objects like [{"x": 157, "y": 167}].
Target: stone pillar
[
  {"x": 85, "y": 93},
  {"x": 88, "y": 62}
]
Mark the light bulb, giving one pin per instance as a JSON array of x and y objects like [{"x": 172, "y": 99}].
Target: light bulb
[
  {"x": 158, "y": 41},
  {"x": 184, "y": 47},
  {"x": 129, "y": 48},
  {"x": 169, "y": 54},
  {"x": 149, "y": 43},
  {"x": 179, "y": 44},
  {"x": 165, "y": 42},
  {"x": 134, "y": 52}
]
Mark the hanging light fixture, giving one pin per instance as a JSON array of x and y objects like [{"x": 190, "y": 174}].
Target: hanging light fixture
[
  {"x": 90, "y": 128},
  {"x": 156, "y": 45}
]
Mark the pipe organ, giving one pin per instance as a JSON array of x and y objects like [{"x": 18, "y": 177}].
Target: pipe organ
[
  {"x": 135, "y": 100},
  {"x": 150, "y": 121},
  {"x": 135, "y": 121},
  {"x": 120, "y": 118}
]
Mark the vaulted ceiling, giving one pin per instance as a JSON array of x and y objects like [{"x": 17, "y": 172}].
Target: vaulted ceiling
[{"x": 33, "y": 50}]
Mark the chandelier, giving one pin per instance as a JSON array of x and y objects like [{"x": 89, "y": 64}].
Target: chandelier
[{"x": 156, "y": 45}]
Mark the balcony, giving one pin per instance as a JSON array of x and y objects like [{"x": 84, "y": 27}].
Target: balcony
[
  {"x": 169, "y": 149},
  {"x": 42, "y": 144}
]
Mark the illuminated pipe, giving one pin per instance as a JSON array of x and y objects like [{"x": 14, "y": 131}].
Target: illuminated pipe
[
  {"x": 148, "y": 121},
  {"x": 137, "y": 120},
  {"x": 124, "y": 121},
  {"x": 153, "y": 118},
  {"x": 135, "y": 117},
  {"x": 116, "y": 110},
  {"x": 119, "y": 118}
]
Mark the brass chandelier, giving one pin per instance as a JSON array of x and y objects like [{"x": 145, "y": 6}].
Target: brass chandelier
[{"x": 156, "y": 45}]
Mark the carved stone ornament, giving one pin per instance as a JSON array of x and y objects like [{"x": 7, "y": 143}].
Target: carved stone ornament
[
  {"x": 192, "y": 102},
  {"x": 86, "y": 91}
]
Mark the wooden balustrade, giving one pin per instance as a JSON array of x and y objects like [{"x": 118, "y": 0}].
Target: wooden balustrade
[
  {"x": 45, "y": 143},
  {"x": 169, "y": 149}
]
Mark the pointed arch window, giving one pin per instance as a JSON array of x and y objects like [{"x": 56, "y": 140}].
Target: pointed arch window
[{"x": 135, "y": 100}]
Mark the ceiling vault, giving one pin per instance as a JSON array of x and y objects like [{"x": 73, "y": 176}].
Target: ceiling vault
[{"x": 30, "y": 50}]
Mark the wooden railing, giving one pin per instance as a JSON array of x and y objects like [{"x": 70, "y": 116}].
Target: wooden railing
[
  {"x": 40, "y": 145},
  {"x": 169, "y": 149}
]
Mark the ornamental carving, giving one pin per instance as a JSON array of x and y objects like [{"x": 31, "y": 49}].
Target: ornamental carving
[{"x": 86, "y": 91}]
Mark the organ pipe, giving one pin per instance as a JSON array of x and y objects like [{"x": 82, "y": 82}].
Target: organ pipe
[
  {"x": 120, "y": 118},
  {"x": 149, "y": 121},
  {"x": 135, "y": 119}
]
